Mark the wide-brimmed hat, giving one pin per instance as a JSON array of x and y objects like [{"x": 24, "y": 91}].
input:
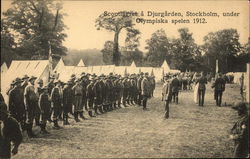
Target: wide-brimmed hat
[
  {"x": 40, "y": 81},
  {"x": 25, "y": 77},
  {"x": 18, "y": 80},
  {"x": 45, "y": 88},
  {"x": 70, "y": 82},
  {"x": 32, "y": 78}
]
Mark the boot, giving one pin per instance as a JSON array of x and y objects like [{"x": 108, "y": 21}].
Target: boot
[
  {"x": 119, "y": 105},
  {"x": 91, "y": 114},
  {"x": 56, "y": 126},
  {"x": 124, "y": 104},
  {"x": 43, "y": 129},
  {"x": 96, "y": 112},
  {"x": 29, "y": 131},
  {"x": 81, "y": 115},
  {"x": 65, "y": 119},
  {"x": 76, "y": 117},
  {"x": 100, "y": 109},
  {"x": 115, "y": 106}
]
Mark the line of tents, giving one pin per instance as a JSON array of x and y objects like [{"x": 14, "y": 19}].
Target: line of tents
[{"x": 64, "y": 72}]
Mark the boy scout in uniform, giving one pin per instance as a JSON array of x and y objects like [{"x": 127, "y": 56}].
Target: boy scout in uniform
[
  {"x": 31, "y": 104},
  {"x": 145, "y": 86},
  {"x": 56, "y": 103},
  {"x": 16, "y": 103},
  {"x": 45, "y": 106},
  {"x": 67, "y": 101},
  {"x": 167, "y": 95}
]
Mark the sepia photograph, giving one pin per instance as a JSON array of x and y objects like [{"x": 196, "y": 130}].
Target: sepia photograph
[{"x": 124, "y": 79}]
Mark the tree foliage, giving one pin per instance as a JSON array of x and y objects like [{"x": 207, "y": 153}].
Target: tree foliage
[
  {"x": 34, "y": 23},
  {"x": 223, "y": 45},
  {"x": 107, "y": 52},
  {"x": 116, "y": 23},
  {"x": 158, "y": 48},
  {"x": 185, "y": 52}
]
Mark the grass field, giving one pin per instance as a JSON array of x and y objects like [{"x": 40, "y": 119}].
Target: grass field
[{"x": 191, "y": 131}]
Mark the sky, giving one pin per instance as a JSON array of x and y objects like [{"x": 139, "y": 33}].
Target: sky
[{"x": 81, "y": 16}]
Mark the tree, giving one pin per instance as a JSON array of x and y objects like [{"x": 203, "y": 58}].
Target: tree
[
  {"x": 107, "y": 52},
  {"x": 128, "y": 56},
  {"x": 116, "y": 23},
  {"x": 158, "y": 48},
  {"x": 185, "y": 52},
  {"x": 7, "y": 44},
  {"x": 222, "y": 45},
  {"x": 34, "y": 23}
]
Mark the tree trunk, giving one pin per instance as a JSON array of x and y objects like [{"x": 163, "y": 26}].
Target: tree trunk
[{"x": 116, "y": 54}]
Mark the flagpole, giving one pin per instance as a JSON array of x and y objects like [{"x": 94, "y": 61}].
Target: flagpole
[{"x": 50, "y": 60}]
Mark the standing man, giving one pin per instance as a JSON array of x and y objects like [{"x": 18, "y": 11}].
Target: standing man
[
  {"x": 139, "y": 88},
  {"x": 78, "y": 106},
  {"x": 240, "y": 132},
  {"x": 219, "y": 88},
  {"x": 167, "y": 95},
  {"x": 91, "y": 96},
  {"x": 31, "y": 104},
  {"x": 39, "y": 91},
  {"x": 242, "y": 86},
  {"x": 16, "y": 103},
  {"x": 67, "y": 101},
  {"x": 9, "y": 133},
  {"x": 175, "y": 89},
  {"x": 145, "y": 86},
  {"x": 45, "y": 106},
  {"x": 202, "y": 81},
  {"x": 125, "y": 90},
  {"x": 56, "y": 102}
]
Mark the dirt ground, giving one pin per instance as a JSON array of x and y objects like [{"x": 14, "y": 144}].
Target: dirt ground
[{"x": 191, "y": 131}]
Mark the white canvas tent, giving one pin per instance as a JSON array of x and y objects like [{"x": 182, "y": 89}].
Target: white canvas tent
[
  {"x": 60, "y": 66},
  {"x": 120, "y": 70},
  {"x": 4, "y": 68},
  {"x": 165, "y": 66},
  {"x": 133, "y": 64},
  {"x": 106, "y": 69},
  {"x": 81, "y": 63},
  {"x": 66, "y": 73},
  {"x": 37, "y": 68}
]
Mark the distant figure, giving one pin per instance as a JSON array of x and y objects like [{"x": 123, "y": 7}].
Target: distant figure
[
  {"x": 240, "y": 132},
  {"x": 219, "y": 88},
  {"x": 176, "y": 85},
  {"x": 202, "y": 81},
  {"x": 167, "y": 95},
  {"x": 145, "y": 87},
  {"x": 242, "y": 86}
]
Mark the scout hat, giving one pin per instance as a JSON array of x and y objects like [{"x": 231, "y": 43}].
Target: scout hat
[
  {"x": 32, "y": 77},
  {"x": 69, "y": 82},
  {"x": 40, "y": 81},
  {"x": 25, "y": 77},
  {"x": 18, "y": 80},
  {"x": 45, "y": 88}
]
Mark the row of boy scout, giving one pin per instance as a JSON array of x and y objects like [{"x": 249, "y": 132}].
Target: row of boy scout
[{"x": 56, "y": 100}]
